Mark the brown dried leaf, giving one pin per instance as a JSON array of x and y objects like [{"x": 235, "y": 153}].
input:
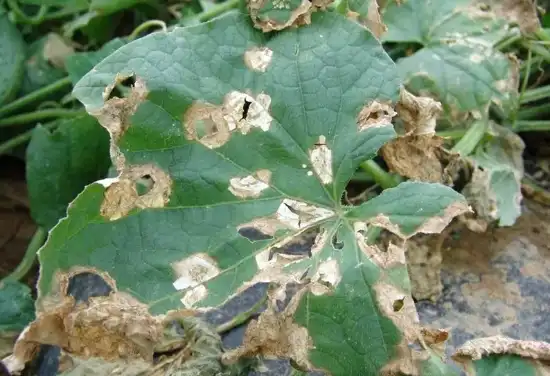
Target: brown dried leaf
[
  {"x": 477, "y": 348},
  {"x": 422, "y": 158},
  {"x": 419, "y": 114},
  {"x": 424, "y": 264},
  {"x": 121, "y": 196},
  {"x": 116, "y": 327},
  {"x": 521, "y": 12},
  {"x": 297, "y": 17}
]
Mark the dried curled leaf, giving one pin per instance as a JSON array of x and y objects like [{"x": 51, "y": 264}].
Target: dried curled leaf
[
  {"x": 520, "y": 12},
  {"x": 269, "y": 15},
  {"x": 419, "y": 154}
]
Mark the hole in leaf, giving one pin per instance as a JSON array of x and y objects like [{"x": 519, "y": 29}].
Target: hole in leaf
[
  {"x": 144, "y": 184},
  {"x": 398, "y": 304},
  {"x": 253, "y": 234},
  {"x": 246, "y": 107},
  {"x": 336, "y": 243},
  {"x": 122, "y": 87},
  {"x": 85, "y": 285}
]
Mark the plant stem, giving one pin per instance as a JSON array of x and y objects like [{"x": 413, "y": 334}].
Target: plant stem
[
  {"x": 31, "y": 117},
  {"x": 506, "y": 42},
  {"x": 372, "y": 234},
  {"x": 381, "y": 177},
  {"x": 217, "y": 10},
  {"x": 35, "y": 95},
  {"x": 535, "y": 94},
  {"x": 30, "y": 254},
  {"x": 453, "y": 134},
  {"x": 534, "y": 112},
  {"x": 20, "y": 139},
  {"x": 241, "y": 318},
  {"x": 538, "y": 49},
  {"x": 342, "y": 7},
  {"x": 146, "y": 25},
  {"x": 471, "y": 138},
  {"x": 23, "y": 17},
  {"x": 532, "y": 126}
]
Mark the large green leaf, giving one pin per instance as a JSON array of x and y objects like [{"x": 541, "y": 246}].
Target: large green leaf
[
  {"x": 239, "y": 133},
  {"x": 12, "y": 58},
  {"x": 61, "y": 162},
  {"x": 457, "y": 64},
  {"x": 16, "y": 306}
]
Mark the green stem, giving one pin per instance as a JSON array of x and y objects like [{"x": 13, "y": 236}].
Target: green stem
[
  {"x": 20, "y": 139},
  {"x": 453, "y": 134},
  {"x": 30, "y": 255},
  {"x": 23, "y": 17},
  {"x": 535, "y": 94},
  {"x": 381, "y": 177},
  {"x": 542, "y": 34},
  {"x": 146, "y": 25},
  {"x": 532, "y": 126},
  {"x": 471, "y": 138},
  {"x": 506, "y": 42},
  {"x": 31, "y": 117},
  {"x": 241, "y": 318},
  {"x": 537, "y": 49},
  {"x": 65, "y": 12},
  {"x": 372, "y": 234},
  {"x": 35, "y": 95},
  {"x": 217, "y": 10},
  {"x": 533, "y": 112}
]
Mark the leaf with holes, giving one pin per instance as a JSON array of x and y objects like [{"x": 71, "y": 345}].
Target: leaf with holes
[
  {"x": 234, "y": 149},
  {"x": 457, "y": 64}
]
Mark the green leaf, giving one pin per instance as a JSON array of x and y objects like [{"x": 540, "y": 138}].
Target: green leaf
[
  {"x": 462, "y": 77},
  {"x": 426, "y": 23},
  {"x": 81, "y": 63},
  {"x": 61, "y": 163},
  {"x": 12, "y": 58},
  {"x": 504, "y": 365},
  {"x": 457, "y": 64},
  {"x": 16, "y": 306},
  {"x": 38, "y": 71},
  {"x": 244, "y": 142}
]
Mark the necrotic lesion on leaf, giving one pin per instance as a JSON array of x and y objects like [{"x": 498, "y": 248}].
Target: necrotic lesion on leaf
[
  {"x": 321, "y": 160},
  {"x": 251, "y": 185},
  {"x": 258, "y": 58},
  {"x": 375, "y": 114},
  {"x": 191, "y": 272},
  {"x": 122, "y": 195},
  {"x": 212, "y": 125}
]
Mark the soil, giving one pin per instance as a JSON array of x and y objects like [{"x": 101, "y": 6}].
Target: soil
[
  {"x": 16, "y": 224},
  {"x": 495, "y": 282}
]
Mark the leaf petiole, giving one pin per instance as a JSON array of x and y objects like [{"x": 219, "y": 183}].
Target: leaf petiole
[
  {"x": 35, "y": 116},
  {"x": 30, "y": 254}
]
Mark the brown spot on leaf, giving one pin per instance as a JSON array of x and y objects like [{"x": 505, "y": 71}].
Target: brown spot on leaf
[
  {"x": 116, "y": 113},
  {"x": 373, "y": 21},
  {"x": 326, "y": 278},
  {"x": 394, "y": 255},
  {"x": 301, "y": 15},
  {"x": 321, "y": 160},
  {"x": 212, "y": 125},
  {"x": 274, "y": 334},
  {"x": 251, "y": 185},
  {"x": 191, "y": 273},
  {"x": 111, "y": 328},
  {"x": 375, "y": 114},
  {"x": 424, "y": 260},
  {"x": 258, "y": 58},
  {"x": 121, "y": 196}
]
